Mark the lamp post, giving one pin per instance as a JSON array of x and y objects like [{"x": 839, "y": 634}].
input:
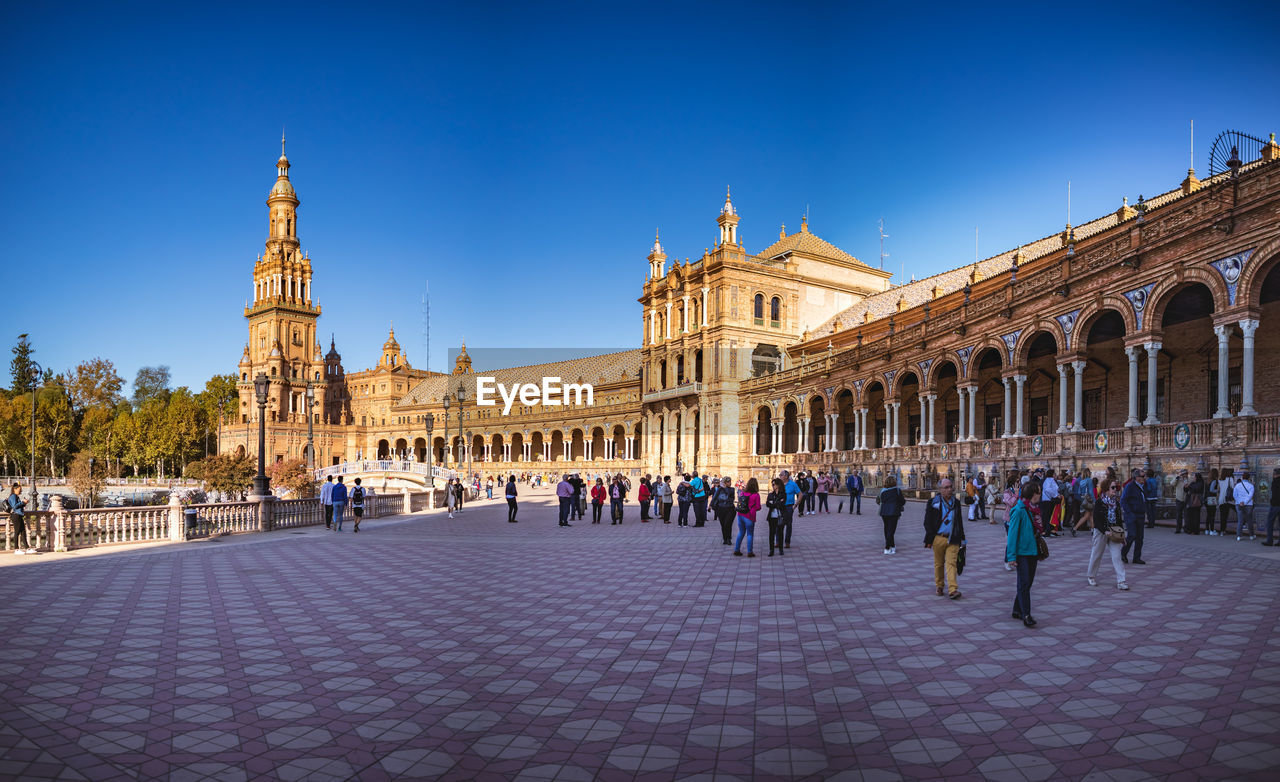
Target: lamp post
[
  {"x": 221, "y": 402},
  {"x": 92, "y": 461},
  {"x": 429, "y": 423},
  {"x": 311, "y": 447},
  {"x": 33, "y": 377},
  {"x": 448, "y": 445},
  {"x": 462, "y": 397},
  {"x": 261, "y": 486}
]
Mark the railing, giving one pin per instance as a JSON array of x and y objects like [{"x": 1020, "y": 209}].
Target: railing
[
  {"x": 384, "y": 465},
  {"x": 384, "y": 505},
  {"x": 671, "y": 393},
  {"x": 1263, "y": 428},
  {"x": 37, "y": 526},
  {"x": 421, "y": 500},
  {"x": 296, "y": 513},
  {"x": 106, "y": 526}
]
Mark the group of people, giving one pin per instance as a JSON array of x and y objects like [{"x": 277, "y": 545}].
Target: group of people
[{"x": 334, "y": 498}]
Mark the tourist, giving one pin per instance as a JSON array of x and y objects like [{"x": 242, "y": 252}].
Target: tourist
[
  {"x": 645, "y": 497},
  {"x": 488, "y": 488},
  {"x": 1273, "y": 512},
  {"x": 1243, "y": 494},
  {"x": 1180, "y": 485},
  {"x": 1195, "y": 501},
  {"x": 944, "y": 533},
  {"x": 1086, "y": 498},
  {"x": 1049, "y": 504},
  {"x": 776, "y": 504},
  {"x": 576, "y": 509},
  {"x": 18, "y": 520},
  {"x": 788, "y": 510},
  {"x": 326, "y": 501},
  {"x": 722, "y": 504},
  {"x": 459, "y": 492},
  {"x": 1133, "y": 504},
  {"x": 598, "y": 495},
  {"x": 617, "y": 498},
  {"x": 339, "y": 499},
  {"x": 684, "y": 495},
  {"x": 892, "y": 503},
  {"x": 665, "y": 497},
  {"x": 980, "y": 496},
  {"x": 1108, "y": 537},
  {"x": 854, "y": 484},
  {"x": 1211, "y": 502},
  {"x": 357, "y": 504},
  {"x": 1226, "y": 499},
  {"x": 564, "y": 491},
  {"x": 698, "y": 487},
  {"x": 824, "y": 488},
  {"x": 511, "y": 495},
  {"x": 1021, "y": 550},
  {"x": 1151, "y": 493},
  {"x": 748, "y": 504},
  {"x": 450, "y": 497}
]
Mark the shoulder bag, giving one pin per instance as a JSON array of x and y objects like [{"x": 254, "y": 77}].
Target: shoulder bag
[{"x": 1042, "y": 548}]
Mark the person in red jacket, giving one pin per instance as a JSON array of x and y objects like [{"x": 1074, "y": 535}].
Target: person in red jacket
[
  {"x": 598, "y": 495},
  {"x": 644, "y": 498}
]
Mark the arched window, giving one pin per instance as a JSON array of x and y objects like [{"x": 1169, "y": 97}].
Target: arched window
[
  {"x": 759, "y": 308},
  {"x": 775, "y": 309}
]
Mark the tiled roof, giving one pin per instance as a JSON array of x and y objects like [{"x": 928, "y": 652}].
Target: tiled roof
[
  {"x": 807, "y": 244},
  {"x": 598, "y": 370}
]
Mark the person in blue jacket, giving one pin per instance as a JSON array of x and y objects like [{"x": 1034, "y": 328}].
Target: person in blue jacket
[
  {"x": 339, "y": 500},
  {"x": 854, "y": 484},
  {"x": 1133, "y": 503},
  {"x": 1020, "y": 549}
]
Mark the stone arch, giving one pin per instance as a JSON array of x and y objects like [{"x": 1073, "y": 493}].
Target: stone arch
[
  {"x": 1169, "y": 287},
  {"x": 946, "y": 357},
  {"x": 1249, "y": 292},
  {"x": 1030, "y": 332},
  {"x": 900, "y": 376},
  {"x": 990, "y": 343},
  {"x": 1090, "y": 313}
]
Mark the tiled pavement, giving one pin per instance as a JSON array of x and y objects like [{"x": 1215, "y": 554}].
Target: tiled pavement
[{"x": 472, "y": 649}]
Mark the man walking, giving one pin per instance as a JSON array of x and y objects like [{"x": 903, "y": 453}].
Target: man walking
[
  {"x": 564, "y": 491},
  {"x": 792, "y": 491},
  {"x": 1133, "y": 503},
  {"x": 944, "y": 533},
  {"x": 338, "y": 498},
  {"x": 17, "y": 508},
  {"x": 1244, "y": 508},
  {"x": 357, "y": 504},
  {"x": 326, "y": 501},
  {"x": 854, "y": 484}
]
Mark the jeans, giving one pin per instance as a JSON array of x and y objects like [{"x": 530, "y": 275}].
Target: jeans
[
  {"x": 700, "y": 511},
  {"x": 1026, "y": 575},
  {"x": 683, "y": 518},
  {"x": 488, "y": 490},
  {"x": 1134, "y": 529},
  {"x": 1272, "y": 515},
  {"x": 1244, "y": 518},
  {"x": 511, "y": 509},
  {"x": 981, "y": 512},
  {"x": 726, "y": 522},
  {"x": 945, "y": 555},
  {"x": 746, "y": 528},
  {"x": 890, "y": 528},
  {"x": 855, "y": 500},
  {"x": 822, "y": 502},
  {"x": 328, "y": 514},
  {"x": 1151, "y": 513},
  {"x": 1100, "y": 546},
  {"x": 1224, "y": 512},
  {"x": 596, "y": 508},
  {"x": 788, "y": 517},
  {"x": 575, "y": 510},
  {"x": 615, "y": 507},
  {"x": 337, "y": 516},
  {"x": 566, "y": 504}
]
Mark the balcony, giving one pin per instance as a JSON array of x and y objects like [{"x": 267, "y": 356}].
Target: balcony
[{"x": 675, "y": 392}]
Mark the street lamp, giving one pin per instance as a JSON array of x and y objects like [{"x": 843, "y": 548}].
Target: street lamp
[
  {"x": 92, "y": 461},
  {"x": 462, "y": 397},
  {"x": 429, "y": 422},
  {"x": 261, "y": 486},
  {"x": 311, "y": 447},
  {"x": 448, "y": 445},
  {"x": 33, "y": 377}
]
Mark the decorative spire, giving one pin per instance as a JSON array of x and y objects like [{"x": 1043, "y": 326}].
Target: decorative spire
[
  {"x": 727, "y": 209},
  {"x": 657, "y": 244}
]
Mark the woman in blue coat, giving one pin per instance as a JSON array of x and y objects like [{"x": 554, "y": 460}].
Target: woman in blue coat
[{"x": 1020, "y": 549}]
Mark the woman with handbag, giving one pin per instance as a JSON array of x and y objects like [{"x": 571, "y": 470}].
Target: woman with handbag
[
  {"x": 1211, "y": 502},
  {"x": 1025, "y": 548},
  {"x": 891, "y": 502},
  {"x": 1195, "y": 501},
  {"x": 1108, "y": 535},
  {"x": 774, "y": 502}
]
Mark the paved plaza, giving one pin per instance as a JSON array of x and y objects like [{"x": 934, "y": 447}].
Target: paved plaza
[{"x": 429, "y": 648}]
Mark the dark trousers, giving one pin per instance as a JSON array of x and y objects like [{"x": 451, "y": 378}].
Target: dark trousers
[
  {"x": 1134, "y": 530},
  {"x": 1046, "y": 513},
  {"x": 1192, "y": 520},
  {"x": 775, "y": 534},
  {"x": 575, "y": 510},
  {"x": 1072, "y": 508},
  {"x": 1151, "y": 513},
  {"x": 788, "y": 519},
  {"x": 1180, "y": 516},
  {"x": 822, "y": 503},
  {"x": 615, "y": 507},
  {"x": 1224, "y": 512},
  {"x": 566, "y": 504},
  {"x": 683, "y": 517},
  {"x": 511, "y": 509},
  {"x": 644, "y": 510},
  {"x": 666, "y": 511},
  {"x": 1272, "y": 515},
  {"x": 890, "y": 528},
  {"x": 699, "y": 511},
  {"x": 328, "y": 515},
  {"x": 855, "y": 500},
  {"x": 19, "y": 524},
  {"x": 596, "y": 507},
  {"x": 726, "y": 516},
  {"x": 1026, "y": 575},
  {"x": 981, "y": 512}
]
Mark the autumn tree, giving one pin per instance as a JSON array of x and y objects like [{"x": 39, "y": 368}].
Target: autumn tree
[
  {"x": 95, "y": 382},
  {"x": 292, "y": 478},
  {"x": 229, "y": 474},
  {"x": 86, "y": 482},
  {"x": 150, "y": 383}
]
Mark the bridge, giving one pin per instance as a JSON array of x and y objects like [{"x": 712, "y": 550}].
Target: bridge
[{"x": 389, "y": 474}]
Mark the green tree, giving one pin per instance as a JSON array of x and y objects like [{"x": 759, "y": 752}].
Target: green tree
[
  {"x": 150, "y": 383},
  {"x": 183, "y": 427},
  {"x": 15, "y": 433},
  {"x": 129, "y": 440},
  {"x": 228, "y": 473},
  {"x": 20, "y": 365},
  {"x": 219, "y": 390},
  {"x": 95, "y": 382},
  {"x": 55, "y": 423},
  {"x": 95, "y": 433}
]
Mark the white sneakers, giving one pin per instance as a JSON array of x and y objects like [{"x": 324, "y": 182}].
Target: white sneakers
[
  {"x": 893, "y": 549},
  {"x": 885, "y": 551},
  {"x": 23, "y": 551},
  {"x": 1093, "y": 582},
  {"x": 1122, "y": 586}
]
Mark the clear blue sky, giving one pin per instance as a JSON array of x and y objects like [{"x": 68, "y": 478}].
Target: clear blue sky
[{"x": 519, "y": 156}]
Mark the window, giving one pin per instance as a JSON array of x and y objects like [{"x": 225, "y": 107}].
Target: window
[
  {"x": 759, "y": 308},
  {"x": 775, "y": 309}
]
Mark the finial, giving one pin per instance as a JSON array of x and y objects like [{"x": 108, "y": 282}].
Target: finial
[
  {"x": 727, "y": 195},
  {"x": 281, "y": 141}
]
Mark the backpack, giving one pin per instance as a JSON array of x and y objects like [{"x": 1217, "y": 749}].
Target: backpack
[
  {"x": 682, "y": 491},
  {"x": 614, "y": 491},
  {"x": 744, "y": 504},
  {"x": 357, "y": 496}
]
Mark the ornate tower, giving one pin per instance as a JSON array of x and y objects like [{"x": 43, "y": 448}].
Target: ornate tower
[
  {"x": 282, "y": 318},
  {"x": 728, "y": 221},
  {"x": 657, "y": 259}
]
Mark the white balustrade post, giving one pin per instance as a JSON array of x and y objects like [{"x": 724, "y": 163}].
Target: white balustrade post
[
  {"x": 973, "y": 412},
  {"x": 1021, "y": 381},
  {"x": 1153, "y": 381},
  {"x": 1078, "y": 417},
  {"x": 1008, "y": 407},
  {"x": 408, "y": 500},
  {"x": 1248, "y": 327},
  {"x": 57, "y": 532},
  {"x": 1132, "y": 352},
  {"x": 803, "y": 445},
  {"x": 177, "y": 525},
  {"x": 1062, "y": 398}
]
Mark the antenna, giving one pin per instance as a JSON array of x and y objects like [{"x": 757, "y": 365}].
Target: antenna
[
  {"x": 426, "y": 328},
  {"x": 883, "y": 236},
  {"x": 975, "y": 244},
  {"x": 1193, "y": 145},
  {"x": 1068, "y": 202}
]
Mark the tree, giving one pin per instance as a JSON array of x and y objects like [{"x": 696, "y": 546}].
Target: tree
[
  {"x": 20, "y": 366},
  {"x": 292, "y": 477},
  {"x": 229, "y": 474},
  {"x": 150, "y": 383},
  {"x": 95, "y": 382},
  {"x": 85, "y": 483},
  {"x": 54, "y": 423},
  {"x": 15, "y": 433},
  {"x": 219, "y": 397}
]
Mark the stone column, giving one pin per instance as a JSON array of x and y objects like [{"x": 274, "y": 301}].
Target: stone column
[
  {"x": 933, "y": 419},
  {"x": 755, "y": 438},
  {"x": 897, "y": 424},
  {"x": 1132, "y": 352},
  {"x": 1062, "y": 398},
  {"x": 973, "y": 412},
  {"x": 1008, "y": 407},
  {"x": 803, "y": 445},
  {"x": 704, "y": 306},
  {"x": 923, "y": 400},
  {"x": 960, "y": 435},
  {"x": 866, "y": 412},
  {"x": 1078, "y": 418},
  {"x": 1021, "y": 431},
  {"x": 888, "y": 426},
  {"x": 777, "y": 437},
  {"x": 1247, "y": 326},
  {"x": 631, "y": 447},
  {"x": 1153, "y": 352},
  {"x": 667, "y": 326}
]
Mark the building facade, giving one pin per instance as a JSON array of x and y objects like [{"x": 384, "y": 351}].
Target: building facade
[{"x": 1142, "y": 337}]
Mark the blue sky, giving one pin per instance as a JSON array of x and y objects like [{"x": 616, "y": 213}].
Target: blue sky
[{"x": 517, "y": 157}]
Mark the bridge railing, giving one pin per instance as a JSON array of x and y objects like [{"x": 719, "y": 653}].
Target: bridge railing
[{"x": 365, "y": 466}]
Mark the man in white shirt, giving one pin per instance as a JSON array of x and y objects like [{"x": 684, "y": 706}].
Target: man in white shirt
[
  {"x": 1243, "y": 493},
  {"x": 326, "y": 501}
]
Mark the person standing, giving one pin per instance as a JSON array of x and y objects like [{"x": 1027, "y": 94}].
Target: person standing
[
  {"x": 459, "y": 491},
  {"x": 789, "y": 510},
  {"x": 1243, "y": 494},
  {"x": 1195, "y": 501},
  {"x": 1211, "y": 502},
  {"x": 17, "y": 508},
  {"x": 684, "y": 495},
  {"x": 326, "y": 501},
  {"x": 1180, "y": 485},
  {"x": 488, "y": 488},
  {"x": 980, "y": 495},
  {"x": 1273, "y": 512},
  {"x": 723, "y": 502},
  {"x": 357, "y": 504},
  {"x": 564, "y": 491},
  {"x": 598, "y": 494},
  {"x": 944, "y": 533},
  {"x": 698, "y": 487},
  {"x": 854, "y": 484},
  {"x": 511, "y": 495},
  {"x": 1133, "y": 504},
  {"x": 450, "y": 497},
  {"x": 1226, "y": 499},
  {"x": 891, "y": 502},
  {"x": 1106, "y": 525},
  {"x": 748, "y": 505},
  {"x": 339, "y": 499},
  {"x": 664, "y": 497},
  {"x": 1151, "y": 493},
  {"x": 824, "y": 488},
  {"x": 776, "y": 504},
  {"x": 575, "y": 499},
  {"x": 1049, "y": 501},
  {"x": 645, "y": 496},
  {"x": 617, "y": 498},
  {"x": 1020, "y": 550}
]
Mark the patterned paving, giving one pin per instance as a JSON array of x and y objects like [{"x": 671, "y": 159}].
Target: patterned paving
[{"x": 425, "y": 648}]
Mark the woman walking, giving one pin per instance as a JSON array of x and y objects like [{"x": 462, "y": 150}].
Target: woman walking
[
  {"x": 511, "y": 495},
  {"x": 891, "y": 502},
  {"x": 722, "y": 502},
  {"x": 775, "y": 502},
  {"x": 1020, "y": 549},
  {"x": 748, "y": 504},
  {"x": 451, "y": 497},
  {"x": 644, "y": 496},
  {"x": 1108, "y": 536},
  {"x": 598, "y": 494},
  {"x": 617, "y": 496}
]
